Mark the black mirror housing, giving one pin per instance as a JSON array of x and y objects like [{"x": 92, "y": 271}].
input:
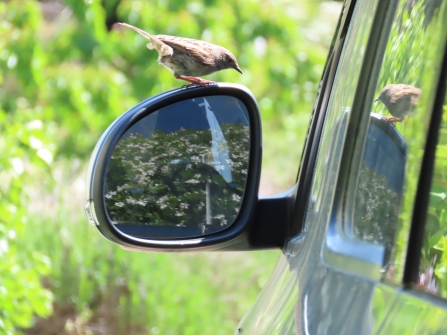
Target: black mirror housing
[{"x": 251, "y": 229}]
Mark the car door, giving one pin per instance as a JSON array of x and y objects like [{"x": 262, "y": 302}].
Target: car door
[{"x": 354, "y": 267}]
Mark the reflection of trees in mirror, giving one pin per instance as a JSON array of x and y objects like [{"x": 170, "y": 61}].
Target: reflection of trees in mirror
[
  {"x": 171, "y": 179},
  {"x": 376, "y": 210}
]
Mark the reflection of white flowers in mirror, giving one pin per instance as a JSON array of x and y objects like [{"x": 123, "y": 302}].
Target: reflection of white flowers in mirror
[
  {"x": 236, "y": 197},
  {"x": 162, "y": 201},
  {"x": 131, "y": 201},
  {"x": 110, "y": 195},
  {"x": 119, "y": 204},
  {"x": 141, "y": 202},
  {"x": 123, "y": 187},
  {"x": 184, "y": 205},
  {"x": 192, "y": 181},
  {"x": 221, "y": 217}
]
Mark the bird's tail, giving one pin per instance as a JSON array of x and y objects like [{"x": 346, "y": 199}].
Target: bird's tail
[{"x": 162, "y": 48}]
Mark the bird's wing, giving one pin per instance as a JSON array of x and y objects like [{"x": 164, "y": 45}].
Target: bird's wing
[
  {"x": 408, "y": 92},
  {"x": 162, "y": 48},
  {"x": 200, "y": 50}
]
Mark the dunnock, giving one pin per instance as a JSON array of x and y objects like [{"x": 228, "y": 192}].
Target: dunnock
[
  {"x": 400, "y": 100},
  {"x": 188, "y": 59}
]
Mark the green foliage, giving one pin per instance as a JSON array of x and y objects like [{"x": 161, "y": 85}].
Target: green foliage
[
  {"x": 146, "y": 293},
  {"x": 434, "y": 252},
  {"x": 64, "y": 77},
  {"x": 413, "y": 56},
  {"x": 414, "y": 50},
  {"x": 406, "y": 56},
  {"x": 22, "y": 144}
]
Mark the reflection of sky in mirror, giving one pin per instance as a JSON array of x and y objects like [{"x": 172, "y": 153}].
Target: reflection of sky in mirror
[
  {"x": 198, "y": 114},
  {"x": 191, "y": 114}
]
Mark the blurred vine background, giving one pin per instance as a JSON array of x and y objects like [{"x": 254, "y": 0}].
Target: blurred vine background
[{"x": 66, "y": 72}]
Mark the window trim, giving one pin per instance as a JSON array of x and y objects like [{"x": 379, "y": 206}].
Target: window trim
[{"x": 316, "y": 123}]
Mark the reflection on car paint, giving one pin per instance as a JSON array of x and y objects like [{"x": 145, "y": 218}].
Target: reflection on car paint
[
  {"x": 303, "y": 281},
  {"x": 344, "y": 294}
]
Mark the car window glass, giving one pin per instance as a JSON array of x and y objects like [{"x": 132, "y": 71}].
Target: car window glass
[
  {"x": 383, "y": 179},
  {"x": 433, "y": 263}
]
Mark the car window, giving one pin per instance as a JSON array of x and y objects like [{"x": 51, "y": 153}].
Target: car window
[
  {"x": 385, "y": 170},
  {"x": 433, "y": 263}
]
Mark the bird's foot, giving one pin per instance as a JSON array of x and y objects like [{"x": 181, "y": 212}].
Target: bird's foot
[
  {"x": 195, "y": 81},
  {"x": 202, "y": 82},
  {"x": 391, "y": 119}
]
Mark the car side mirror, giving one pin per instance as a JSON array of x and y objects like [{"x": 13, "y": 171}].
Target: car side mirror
[{"x": 180, "y": 171}]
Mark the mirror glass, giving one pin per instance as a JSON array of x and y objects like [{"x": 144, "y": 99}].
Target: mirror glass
[{"x": 180, "y": 171}]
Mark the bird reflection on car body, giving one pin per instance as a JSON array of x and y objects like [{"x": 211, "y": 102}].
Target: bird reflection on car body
[{"x": 400, "y": 100}]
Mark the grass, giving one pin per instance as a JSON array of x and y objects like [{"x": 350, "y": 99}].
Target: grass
[
  {"x": 134, "y": 293},
  {"x": 282, "y": 148}
]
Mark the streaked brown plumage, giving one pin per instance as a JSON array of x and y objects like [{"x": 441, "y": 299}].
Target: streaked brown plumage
[
  {"x": 187, "y": 58},
  {"x": 400, "y": 100}
]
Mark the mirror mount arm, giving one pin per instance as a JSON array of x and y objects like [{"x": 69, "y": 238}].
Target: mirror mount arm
[{"x": 272, "y": 220}]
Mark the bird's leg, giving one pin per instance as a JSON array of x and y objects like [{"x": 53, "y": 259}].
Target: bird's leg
[
  {"x": 194, "y": 80},
  {"x": 391, "y": 119}
]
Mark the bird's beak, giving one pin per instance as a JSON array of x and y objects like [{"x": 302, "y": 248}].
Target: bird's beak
[
  {"x": 237, "y": 68},
  {"x": 376, "y": 100}
]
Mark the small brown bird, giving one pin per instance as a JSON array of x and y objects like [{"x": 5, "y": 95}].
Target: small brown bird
[
  {"x": 188, "y": 59},
  {"x": 400, "y": 100}
]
